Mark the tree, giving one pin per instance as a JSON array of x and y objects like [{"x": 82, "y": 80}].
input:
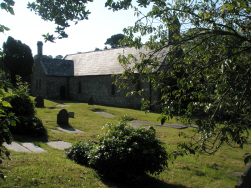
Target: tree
[
  {"x": 7, "y": 119},
  {"x": 97, "y": 49},
  {"x": 208, "y": 62},
  {"x": 17, "y": 59},
  {"x": 61, "y": 12},
  {"x": 6, "y": 5},
  {"x": 114, "y": 40},
  {"x": 44, "y": 56},
  {"x": 59, "y": 57}
]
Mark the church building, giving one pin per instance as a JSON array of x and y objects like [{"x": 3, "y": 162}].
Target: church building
[{"x": 80, "y": 76}]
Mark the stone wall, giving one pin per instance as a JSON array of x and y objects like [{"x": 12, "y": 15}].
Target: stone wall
[
  {"x": 38, "y": 80},
  {"x": 80, "y": 88},
  {"x": 57, "y": 87},
  {"x": 101, "y": 89}
]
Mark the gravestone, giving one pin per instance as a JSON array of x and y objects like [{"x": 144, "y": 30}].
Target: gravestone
[
  {"x": 71, "y": 114},
  {"x": 245, "y": 180},
  {"x": 39, "y": 102},
  {"x": 63, "y": 117},
  {"x": 90, "y": 101}
]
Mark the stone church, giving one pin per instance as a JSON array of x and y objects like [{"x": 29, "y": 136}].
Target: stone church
[{"x": 80, "y": 76}]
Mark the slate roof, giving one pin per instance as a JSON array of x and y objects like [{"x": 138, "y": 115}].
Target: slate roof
[
  {"x": 105, "y": 62},
  {"x": 58, "y": 67}
]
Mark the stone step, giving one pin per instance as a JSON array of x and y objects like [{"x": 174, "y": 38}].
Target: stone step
[
  {"x": 59, "y": 144},
  {"x": 16, "y": 147},
  {"x": 33, "y": 148}
]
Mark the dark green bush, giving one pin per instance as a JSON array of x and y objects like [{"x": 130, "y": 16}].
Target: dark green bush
[
  {"x": 22, "y": 105},
  {"x": 79, "y": 152},
  {"x": 122, "y": 152},
  {"x": 24, "y": 109}
]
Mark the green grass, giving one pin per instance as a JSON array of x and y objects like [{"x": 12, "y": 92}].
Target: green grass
[{"x": 53, "y": 169}]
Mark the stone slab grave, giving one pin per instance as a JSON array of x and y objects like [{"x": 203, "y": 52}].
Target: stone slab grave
[
  {"x": 104, "y": 114},
  {"x": 59, "y": 144},
  {"x": 33, "y": 147},
  {"x": 57, "y": 131},
  {"x": 16, "y": 147},
  {"x": 176, "y": 126},
  {"x": 61, "y": 105},
  {"x": 136, "y": 123},
  {"x": 69, "y": 129},
  {"x": 39, "y": 102},
  {"x": 29, "y": 147},
  {"x": 25, "y": 147}
]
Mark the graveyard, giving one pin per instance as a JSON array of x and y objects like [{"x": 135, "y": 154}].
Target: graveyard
[{"x": 44, "y": 162}]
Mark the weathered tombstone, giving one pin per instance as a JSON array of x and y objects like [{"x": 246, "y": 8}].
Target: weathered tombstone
[
  {"x": 39, "y": 102},
  {"x": 90, "y": 101},
  {"x": 245, "y": 180},
  {"x": 71, "y": 114},
  {"x": 63, "y": 117}
]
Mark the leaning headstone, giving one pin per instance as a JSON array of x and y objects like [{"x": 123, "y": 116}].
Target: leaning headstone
[
  {"x": 39, "y": 102},
  {"x": 63, "y": 117},
  {"x": 245, "y": 180},
  {"x": 71, "y": 114},
  {"x": 90, "y": 101}
]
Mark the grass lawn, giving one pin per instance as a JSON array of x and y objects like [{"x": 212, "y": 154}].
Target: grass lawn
[{"x": 53, "y": 169}]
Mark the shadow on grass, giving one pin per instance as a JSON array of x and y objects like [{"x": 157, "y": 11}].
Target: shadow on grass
[
  {"x": 67, "y": 127},
  {"x": 29, "y": 130},
  {"x": 62, "y": 101},
  {"x": 145, "y": 181},
  {"x": 30, "y": 138}
]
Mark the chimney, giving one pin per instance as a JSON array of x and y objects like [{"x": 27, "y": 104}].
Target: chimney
[{"x": 40, "y": 48}]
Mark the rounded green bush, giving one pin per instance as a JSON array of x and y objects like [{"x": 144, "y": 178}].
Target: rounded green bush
[
  {"x": 22, "y": 106},
  {"x": 122, "y": 152},
  {"x": 24, "y": 110}
]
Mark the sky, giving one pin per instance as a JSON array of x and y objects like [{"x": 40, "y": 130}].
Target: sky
[{"x": 83, "y": 37}]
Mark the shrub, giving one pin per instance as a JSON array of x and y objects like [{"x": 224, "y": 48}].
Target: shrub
[
  {"x": 122, "y": 152},
  {"x": 22, "y": 105},
  {"x": 24, "y": 109}
]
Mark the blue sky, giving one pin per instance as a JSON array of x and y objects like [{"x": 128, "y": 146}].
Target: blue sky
[{"x": 83, "y": 37}]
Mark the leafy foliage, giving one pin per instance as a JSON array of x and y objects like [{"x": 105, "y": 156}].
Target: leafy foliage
[
  {"x": 24, "y": 109},
  {"x": 59, "y": 57},
  {"x": 46, "y": 57},
  {"x": 206, "y": 72},
  {"x": 8, "y": 6},
  {"x": 17, "y": 59},
  {"x": 60, "y": 12},
  {"x": 114, "y": 40},
  {"x": 122, "y": 152},
  {"x": 7, "y": 119}
]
